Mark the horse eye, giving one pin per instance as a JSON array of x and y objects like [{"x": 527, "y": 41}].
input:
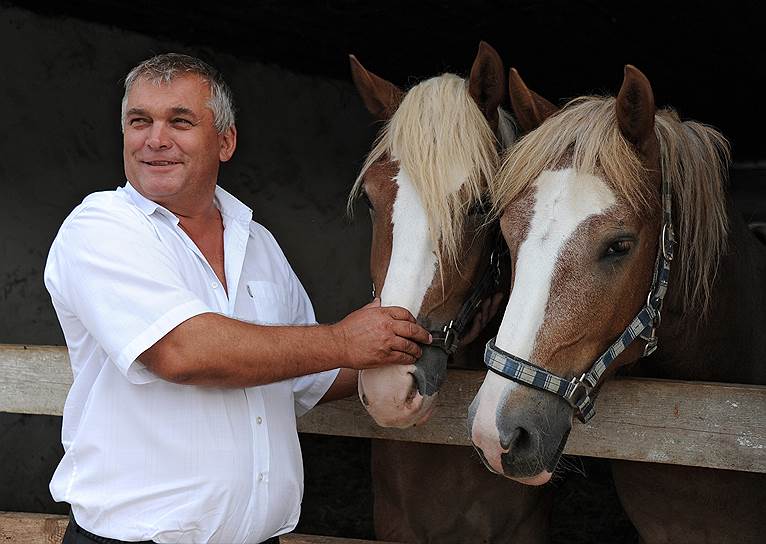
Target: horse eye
[
  {"x": 367, "y": 201},
  {"x": 618, "y": 248}
]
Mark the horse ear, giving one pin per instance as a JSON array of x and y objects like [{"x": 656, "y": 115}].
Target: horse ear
[
  {"x": 636, "y": 109},
  {"x": 485, "y": 84},
  {"x": 529, "y": 108},
  {"x": 381, "y": 97}
]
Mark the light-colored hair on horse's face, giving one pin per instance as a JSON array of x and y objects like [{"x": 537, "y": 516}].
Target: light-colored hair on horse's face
[
  {"x": 694, "y": 159},
  {"x": 440, "y": 138},
  {"x": 162, "y": 69}
]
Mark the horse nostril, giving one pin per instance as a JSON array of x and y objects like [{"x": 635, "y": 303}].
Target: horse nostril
[{"x": 517, "y": 440}]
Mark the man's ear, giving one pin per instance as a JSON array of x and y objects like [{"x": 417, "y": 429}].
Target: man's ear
[{"x": 228, "y": 143}]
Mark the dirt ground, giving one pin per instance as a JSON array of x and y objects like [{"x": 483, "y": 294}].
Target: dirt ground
[{"x": 338, "y": 498}]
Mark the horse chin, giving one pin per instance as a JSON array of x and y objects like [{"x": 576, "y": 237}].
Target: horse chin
[
  {"x": 391, "y": 396},
  {"x": 494, "y": 462},
  {"x": 539, "y": 479}
]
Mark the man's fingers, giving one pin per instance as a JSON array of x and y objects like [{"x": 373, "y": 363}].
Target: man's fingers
[
  {"x": 411, "y": 331},
  {"x": 407, "y": 346},
  {"x": 401, "y": 358},
  {"x": 397, "y": 312}
]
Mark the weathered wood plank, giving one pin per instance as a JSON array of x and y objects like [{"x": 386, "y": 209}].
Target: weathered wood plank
[
  {"x": 27, "y": 528},
  {"x": 686, "y": 423},
  {"x": 34, "y": 379},
  {"x": 683, "y": 423}
]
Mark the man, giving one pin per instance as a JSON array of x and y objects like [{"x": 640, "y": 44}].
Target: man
[{"x": 180, "y": 423}]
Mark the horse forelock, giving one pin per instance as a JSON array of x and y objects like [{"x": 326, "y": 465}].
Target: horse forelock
[
  {"x": 694, "y": 158},
  {"x": 446, "y": 147}
]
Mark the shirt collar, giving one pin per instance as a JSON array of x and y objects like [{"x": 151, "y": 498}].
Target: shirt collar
[
  {"x": 229, "y": 206},
  {"x": 144, "y": 204}
]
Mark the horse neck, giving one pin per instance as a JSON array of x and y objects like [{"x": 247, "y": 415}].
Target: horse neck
[{"x": 728, "y": 345}]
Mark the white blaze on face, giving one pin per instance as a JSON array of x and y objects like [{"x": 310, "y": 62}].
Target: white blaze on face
[
  {"x": 413, "y": 260},
  {"x": 563, "y": 200},
  {"x": 389, "y": 393}
]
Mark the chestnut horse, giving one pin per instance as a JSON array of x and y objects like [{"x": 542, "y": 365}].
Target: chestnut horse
[
  {"x": 606, "y": 206},
  {"x": 426, "y": 184}
]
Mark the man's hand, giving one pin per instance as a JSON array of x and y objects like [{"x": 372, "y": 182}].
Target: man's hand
[
  {"x": 484, "y": 315},
  {"x": 376, "y": 336}
]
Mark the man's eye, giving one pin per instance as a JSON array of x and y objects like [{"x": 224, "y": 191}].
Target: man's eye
[
  {"x": 182, "y": 122},
  {"x": 138, "y": 121}
]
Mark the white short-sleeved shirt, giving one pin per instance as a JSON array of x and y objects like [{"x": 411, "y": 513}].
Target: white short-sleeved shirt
[{"x": 146, "y": 459}]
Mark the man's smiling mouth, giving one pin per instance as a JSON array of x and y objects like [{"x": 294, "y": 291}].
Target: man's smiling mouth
[{"x": 160, "y": 163}]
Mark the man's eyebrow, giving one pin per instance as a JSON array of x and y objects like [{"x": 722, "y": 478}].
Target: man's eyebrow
[
  {"x": 136, "y": 111},
  {"x": 181, "y": 110},
  {"x": 176, "y": 110}
]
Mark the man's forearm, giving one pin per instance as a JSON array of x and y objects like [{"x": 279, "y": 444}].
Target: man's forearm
[{"x": 214, "y": 350}]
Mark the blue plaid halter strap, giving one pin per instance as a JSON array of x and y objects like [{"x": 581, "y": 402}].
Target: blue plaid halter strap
[{"x": 577, "y": 391}]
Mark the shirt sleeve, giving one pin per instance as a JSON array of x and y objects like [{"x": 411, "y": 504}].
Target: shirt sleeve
[{"x": 108, "y": 267}]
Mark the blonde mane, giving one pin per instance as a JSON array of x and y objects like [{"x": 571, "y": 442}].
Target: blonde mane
[
  {"x": 694, "y": 159},
  {"x": 440, "y": 137}
]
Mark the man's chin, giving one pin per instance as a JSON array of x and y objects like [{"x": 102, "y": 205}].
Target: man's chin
[{"x": 156, "y": 185}]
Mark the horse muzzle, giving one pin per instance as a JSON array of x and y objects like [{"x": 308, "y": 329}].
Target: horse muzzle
[
  {"x": 522, "y": 437},
  {"x": 404, "y": 395}
]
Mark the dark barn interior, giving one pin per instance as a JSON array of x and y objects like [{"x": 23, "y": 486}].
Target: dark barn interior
[{"x": 304, "y": 133}]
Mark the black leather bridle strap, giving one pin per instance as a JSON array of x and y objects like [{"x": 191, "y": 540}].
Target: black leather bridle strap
[{"x": 448, "y": 337}]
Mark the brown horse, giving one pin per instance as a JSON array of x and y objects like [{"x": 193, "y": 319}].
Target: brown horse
[
  {"x": 426, "y": 183},
  {"x": 606, "y": 206}
]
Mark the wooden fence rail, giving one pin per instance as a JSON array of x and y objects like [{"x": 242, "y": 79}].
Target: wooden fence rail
[
  {"x": 686, "y": 423},
  {"x": 28, "y": 528}
]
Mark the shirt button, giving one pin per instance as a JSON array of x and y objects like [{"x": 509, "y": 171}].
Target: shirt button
[
  {"x": 214, "y": 285},
  {"x": 258, "y": 420},
  {"x": 260, "y": 476}
]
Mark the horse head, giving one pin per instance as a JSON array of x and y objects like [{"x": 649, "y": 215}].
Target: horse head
[
  {"x": 585, "y": 205},
  {"x": 426, "y": 184}
]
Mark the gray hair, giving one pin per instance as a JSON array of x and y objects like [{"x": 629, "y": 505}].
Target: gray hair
[{"x": 164, "y": 68}]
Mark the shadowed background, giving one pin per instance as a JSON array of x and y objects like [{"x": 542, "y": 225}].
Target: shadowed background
[{"x": 302, "y": 136}]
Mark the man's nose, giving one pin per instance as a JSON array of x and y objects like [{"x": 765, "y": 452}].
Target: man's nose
[{"x": 159, "y": 137}]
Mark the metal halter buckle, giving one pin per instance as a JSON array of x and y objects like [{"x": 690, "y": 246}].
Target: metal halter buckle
[
  {"x": 449, "y": 336},
  {"x": 651, "y": 342},
  {"x": 578, "y": 393}
]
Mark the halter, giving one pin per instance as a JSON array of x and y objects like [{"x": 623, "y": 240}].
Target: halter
[
  {"x": 577, "y": 391},
  {"x": 448, "y": 337}
]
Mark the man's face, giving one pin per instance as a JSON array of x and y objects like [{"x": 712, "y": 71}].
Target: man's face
[{"x": 171, "y": 148}]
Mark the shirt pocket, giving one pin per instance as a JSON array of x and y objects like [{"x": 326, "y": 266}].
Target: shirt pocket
[{"x": 270, "y": 303}]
